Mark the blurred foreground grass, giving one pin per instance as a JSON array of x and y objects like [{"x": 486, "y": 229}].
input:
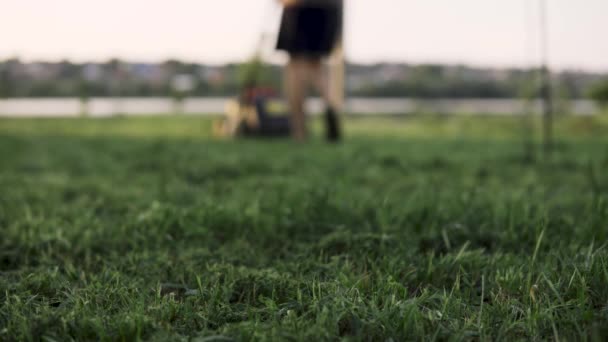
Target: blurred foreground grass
[{"x": 413, "y": 229}]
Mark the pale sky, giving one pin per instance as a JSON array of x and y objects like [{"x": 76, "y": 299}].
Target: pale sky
[{"x": 478, "y": 32}]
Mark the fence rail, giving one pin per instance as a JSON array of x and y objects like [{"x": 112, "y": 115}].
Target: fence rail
[{"x": 100, "y": 107}]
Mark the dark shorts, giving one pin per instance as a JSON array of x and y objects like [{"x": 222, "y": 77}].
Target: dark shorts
[{"x": 310, "y": 31}]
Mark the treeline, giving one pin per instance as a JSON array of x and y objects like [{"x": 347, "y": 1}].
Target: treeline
[
  {"x": 454, "y": 81},
  {"x": 120, "y": 78},
  {"x": 111, "y": 79}
]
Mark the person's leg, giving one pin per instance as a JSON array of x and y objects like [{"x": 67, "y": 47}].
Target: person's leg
[
  {"x": 296, "y": 92},
  {"x": 319, "y": 80}
]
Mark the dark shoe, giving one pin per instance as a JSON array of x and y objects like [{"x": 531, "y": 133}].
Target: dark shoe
[{"x": 332, "y": 122}]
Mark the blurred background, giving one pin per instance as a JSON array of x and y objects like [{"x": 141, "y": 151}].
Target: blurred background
[{"x": 74, "y": 58}]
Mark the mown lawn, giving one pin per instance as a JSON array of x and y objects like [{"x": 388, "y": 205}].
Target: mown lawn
[{"x": 413, "y": 229}]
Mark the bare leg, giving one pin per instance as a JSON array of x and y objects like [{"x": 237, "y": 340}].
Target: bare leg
[
  {"x": 296, "y": 85},
  {"x": 319, "y": 80}
]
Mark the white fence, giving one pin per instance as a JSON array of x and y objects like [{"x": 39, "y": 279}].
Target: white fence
[{"x": 99, "y": 107}]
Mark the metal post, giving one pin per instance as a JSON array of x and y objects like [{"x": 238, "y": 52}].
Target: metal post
[
  {"x": 546, "y": 88},
  {"x": 337, "y": 66}
]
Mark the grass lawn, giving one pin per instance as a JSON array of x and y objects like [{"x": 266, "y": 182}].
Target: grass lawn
[{"x": 413, "y": 229}]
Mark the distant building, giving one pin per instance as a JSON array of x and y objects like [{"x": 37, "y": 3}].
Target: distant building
[
  {"x": 214, "y": 76},
  {"x": 149, "y": 73},
  {"x": 92, "y": 72},
  {"x": 390, "y": 73}
]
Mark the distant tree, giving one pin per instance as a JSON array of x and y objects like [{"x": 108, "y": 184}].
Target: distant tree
[
  {"x": 563, "y": 95},
  {"x": 252, "y": 72},
  {"x": 117, "y": 83},
  {"x": 84, "y": 93},
  {"x": 114, "y": 63},
  {"x": 69, "y": 70},
  {"x": 4, "y": 81},
  {"x": 174, "y": 67},
  {"x": 599, "y": 93},
  {"x": 181, "y": 86}
]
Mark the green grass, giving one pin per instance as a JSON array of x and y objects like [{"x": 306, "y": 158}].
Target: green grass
[{"x": 413, "y": 229}]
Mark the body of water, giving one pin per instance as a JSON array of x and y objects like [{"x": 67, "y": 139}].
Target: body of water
[{"x": 101, "y": 107}]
